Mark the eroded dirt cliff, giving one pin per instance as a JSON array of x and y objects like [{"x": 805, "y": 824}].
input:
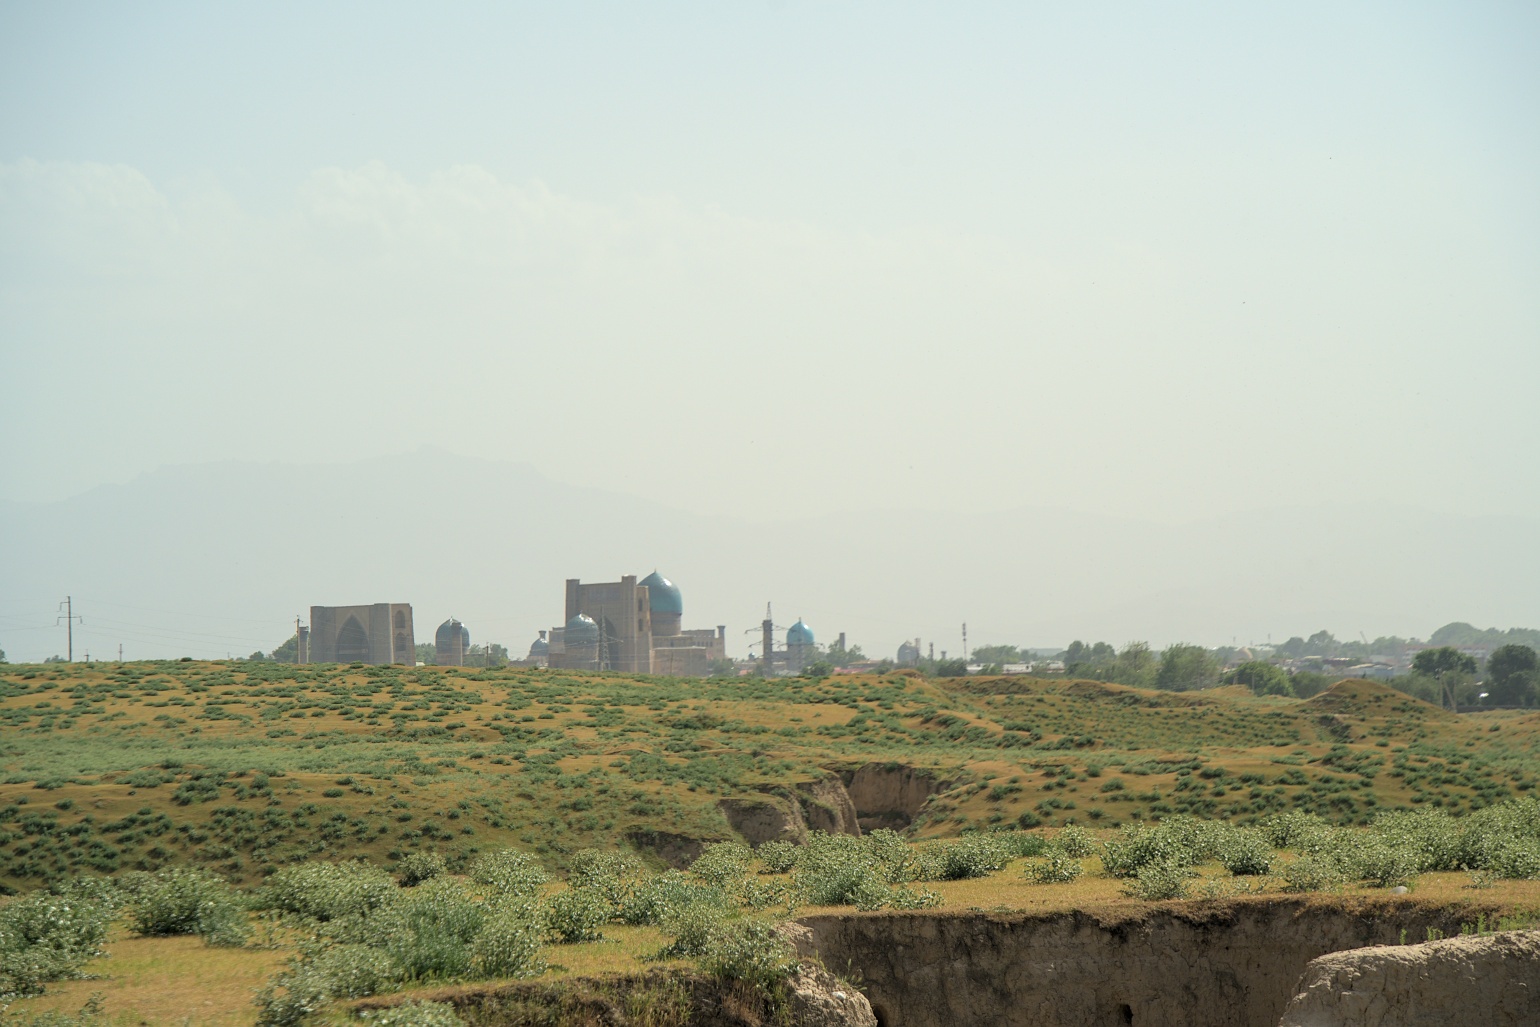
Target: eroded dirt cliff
[
  {"x": 1484, "y": 981},
  {"x": 1187, "y": 964}
]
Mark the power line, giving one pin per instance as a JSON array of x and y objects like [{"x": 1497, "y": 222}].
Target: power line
[{"x": 70, "y": 617}]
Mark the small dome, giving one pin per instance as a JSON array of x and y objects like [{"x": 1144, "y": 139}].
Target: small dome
[
  {"x": 446, "y": 633},
  {"x": 662, "y": 595},
  {"x": 581, "y": 630},
  {"x": 908, "y": 651},
  {"x": 799, "y": 634},
  {"x": 539, "y": 648}
]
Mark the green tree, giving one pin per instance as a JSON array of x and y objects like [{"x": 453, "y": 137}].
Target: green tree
[
  {"x": 288, "y": 652},
  {"x": 1446, "y": 666},
  {"x": 1262, "y": 678},
  {"x": 1185, "y": 668},
  {"x": 427, "y": 653},
  {"x": 997, "y": 654},
  {"x": 1513, "y": 674}
]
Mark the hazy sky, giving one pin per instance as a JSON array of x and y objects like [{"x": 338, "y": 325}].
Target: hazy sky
[{"x": 1159, "y": 259}]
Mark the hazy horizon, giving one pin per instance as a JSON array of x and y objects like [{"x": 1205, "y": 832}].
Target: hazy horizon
[
  {"x": 218, "y": 558},
  {"x": 902, "y": 272}
]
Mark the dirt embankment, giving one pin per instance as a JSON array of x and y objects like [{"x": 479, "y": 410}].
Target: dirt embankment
[
  {"x": 890, "y": 794},
  {"x": 1184, "y": 965},
  {"x": 1483, "y": 981}
]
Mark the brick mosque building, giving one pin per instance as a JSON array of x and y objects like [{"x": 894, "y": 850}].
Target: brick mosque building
[{"x": 631, "y": 626}]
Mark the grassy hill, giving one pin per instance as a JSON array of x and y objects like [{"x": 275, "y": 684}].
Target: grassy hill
[{"x": 242, "y": 767}]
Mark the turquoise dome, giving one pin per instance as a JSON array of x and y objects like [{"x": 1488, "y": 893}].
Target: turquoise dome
[
  {"x": 662, "y": 595},
  {"x": 581, "y": 630},
  {"x": 445, "y": 635},
  {"x": 539, "y": 649},
  {"x": 799, "y": 634}
]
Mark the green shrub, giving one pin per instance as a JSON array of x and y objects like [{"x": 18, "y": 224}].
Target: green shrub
[
  {"x": 414, "y": 1014},
  {"x": 180, "y": 900},
  {"x": 509, "y": 872},
  {"x": 654, "y": 899},
  {"x": 1074, "y": 842},
  {"x": 1138, "y": 846},
  {"x": 1292, "y": 829},
  {"x": 1431, "y": 834},
  {"x": 1058, "y": 868},
  {"x": 722, "y": 863},
  {"x": 1382, "y": 862},
  {"x": 320, "y": 974},
  {"x": 92, "y": 1014},
  {"x": 694, "y": 929},
  {"x": 1160, "y": 880},
  {"x": 1025, "y": 843},
  {"x": 326, "y": 891},
  {"x": 777, "y": 857},
  {"x": 975, "y": 855},
  {"x": 577, "y": 914},
  {"x": 432, "y": 927},
  {"x": 418, "y": 867},
  {"x": 904, "y": 897},
  {"x": 751, "y": 952},
  {"x": 1316, "y": 872},
  {"x": 831, "y": 882},
  {"x": 608, "y": 872},
  {"x": 1516, "y": 860},
  {"x": 1245, "y": 853},
  {"x": 508, "y": 944},
  {"x": 46, "y": 937}
]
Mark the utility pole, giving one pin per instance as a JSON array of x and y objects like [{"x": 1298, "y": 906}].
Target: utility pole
[
  {"x": 120, "y": 652},
  {"x": 70, "y": 617},
  {"x": 965, "y": 641}
]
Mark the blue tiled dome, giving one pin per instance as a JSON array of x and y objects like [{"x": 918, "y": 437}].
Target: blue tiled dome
[
  {"x": 799, "y": 634},
  {"x": 662, "y": 595},
  {"x": 581, "y": 630}
]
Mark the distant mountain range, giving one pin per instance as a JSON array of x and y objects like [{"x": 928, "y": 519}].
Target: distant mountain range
[{"x": 214, "y": 558}]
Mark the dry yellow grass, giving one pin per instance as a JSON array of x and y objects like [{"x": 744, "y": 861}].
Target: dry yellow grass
[{"x": 168, "y": 982}]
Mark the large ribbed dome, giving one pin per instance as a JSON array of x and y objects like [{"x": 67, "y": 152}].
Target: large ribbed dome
[
  {"x": 662, "y": 595},
  {"x": 447, "y": 631},
  {"x": 581, "y": 630},
  {"x": 799, "y": 634}
]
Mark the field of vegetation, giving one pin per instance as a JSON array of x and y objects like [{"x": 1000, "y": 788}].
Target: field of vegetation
[
  {"x": 321, "y": 834},
  {"x": 244, "y": 767}
]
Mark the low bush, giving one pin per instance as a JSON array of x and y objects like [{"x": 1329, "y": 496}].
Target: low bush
[
  {"x": 694, "y": 929},
  {"x": 652, "y": 900},
  {"x": 751, "y": 952},
  {"x": 320, "y": 975},
  {"x": 430, "y": 930},
  {"x": 1160, "y": 880},
  {"x": 508, "y": 944},
  {"x": 1058, "y": 868},
  {"x": 976, "y": 855},
  {"x": 509, "y": 872},
  {"x": 180, "y": 900},
  {"x": 1135, "y": 847},
  {"x": 608, "y": 872},
  {"x": 1074, "y": 842},
  {"x": 1381, "y": 862},
  {"x": 46, "y": 937},
  {"x": 777, "y": 857},
  {"x": 418, "y": 867},
  {"x": 577, "y": 914},
  {"x": 326, "y": 891},
  {"x": 1316, "y": 872},
  {"x": 722, "y": 863},
  {"x": 1245, "y": 853}
]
